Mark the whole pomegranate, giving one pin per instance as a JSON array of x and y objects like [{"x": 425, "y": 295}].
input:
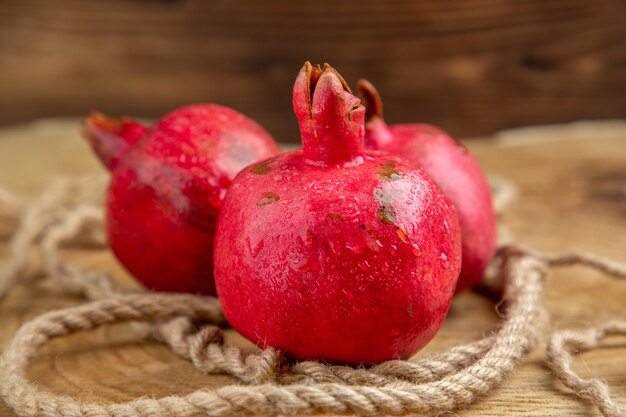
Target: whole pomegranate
[
  {"x": 332, "y": 252},
  {"x": 167, "y": 186},
  {"x": 454, "y": 169}
]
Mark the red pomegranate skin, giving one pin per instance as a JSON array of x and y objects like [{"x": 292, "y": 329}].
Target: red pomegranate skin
[
  {"x": 456, "y": 172},
  {"x": 332, "y": 252},
  {"x": 167, "y": 186}
]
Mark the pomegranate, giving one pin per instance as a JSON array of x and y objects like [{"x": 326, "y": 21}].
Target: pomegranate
[
  {"x": 167, "y": 186},
  {"x": 332, "y": 252},
  {"x": 453, "y": 168}
]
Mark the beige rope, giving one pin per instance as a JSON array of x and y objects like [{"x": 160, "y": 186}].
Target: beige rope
[
  {"x": 181, "y": 335},
  {"x": 560, "y": 348},
  {"x": 86, "y": 221},
  {"x": 397, "y": 394},
  {"x": 48, "y": 209},
  {"x": 71, "y": 213},
  {"x": 608, "y": 266}
]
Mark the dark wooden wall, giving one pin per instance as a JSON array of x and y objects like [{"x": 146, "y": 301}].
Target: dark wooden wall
[{"x": 471, "y": 66}]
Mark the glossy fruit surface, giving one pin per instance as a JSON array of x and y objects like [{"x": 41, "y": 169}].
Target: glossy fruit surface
[
  {"x": 167, "y": 186},
  {"x": 456, "y": 172},
  {"x": 332, "y": 252}
]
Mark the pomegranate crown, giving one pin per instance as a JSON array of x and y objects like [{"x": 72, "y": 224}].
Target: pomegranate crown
[
  {"x": 331, "y": 118},
  {"x": 111, "y": 137},
  {"x": 371, "y": 99}
]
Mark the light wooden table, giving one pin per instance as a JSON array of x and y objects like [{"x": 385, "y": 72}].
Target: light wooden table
[{"x": 572, "y": 195}]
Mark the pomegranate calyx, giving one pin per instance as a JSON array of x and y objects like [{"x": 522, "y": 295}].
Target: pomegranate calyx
[
  {"x": 371, "y": 100},
  {"x": 110, "y": 137},
  {"x": 331, "y": 118}
]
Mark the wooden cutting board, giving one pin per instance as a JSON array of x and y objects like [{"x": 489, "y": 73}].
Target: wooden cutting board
[{"x": 572, "y": 195}]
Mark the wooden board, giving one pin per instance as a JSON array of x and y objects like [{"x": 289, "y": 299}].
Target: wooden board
[
  {"x": 472, "y": 67},
  {"x": 572, "y": 195}
]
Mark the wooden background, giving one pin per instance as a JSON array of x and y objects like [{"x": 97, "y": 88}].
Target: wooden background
[{"x": 471, "y": 66}]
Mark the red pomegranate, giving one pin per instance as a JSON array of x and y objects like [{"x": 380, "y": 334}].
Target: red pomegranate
[
  {"x": 332, "y": 252},
  {"x": 167, "y": 186},
  {"x": 453, "y": 168}
]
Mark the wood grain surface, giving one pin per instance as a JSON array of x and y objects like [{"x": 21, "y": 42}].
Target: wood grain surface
[
  {"x": 572, "y": 195},
  {"x": 471, "y": 66}
]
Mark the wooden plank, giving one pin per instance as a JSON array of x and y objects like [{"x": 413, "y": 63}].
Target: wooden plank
[
  {"x": 571, "y": 183},
  {"x": 473, "y": 67}
]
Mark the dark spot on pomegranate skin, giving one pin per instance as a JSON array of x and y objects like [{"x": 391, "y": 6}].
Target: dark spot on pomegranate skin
[
  {"x": 362, "y": 226},
  {"x": 386, "y": 214},
  {"x": 388, "y": 172},
  {"x": 268, "y": 198},
  {"x": 409, "y": 310},
  {"x": 402, "y": 234},
  {"x": 334, "y": 217},
  {"x": 261, "y": 169}
]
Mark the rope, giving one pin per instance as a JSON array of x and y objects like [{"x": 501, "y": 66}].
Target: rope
[
  {"x": 560, "y": 348},
  {"x": 451, "y": 388}
]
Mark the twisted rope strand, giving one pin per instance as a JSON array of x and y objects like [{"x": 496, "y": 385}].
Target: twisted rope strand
[
  {"x": 563, "y": 344},
  {"x": 83, "y": 221},
  {"x": 42, "y": 213},
  {"x": 188, "y": 342},
  {"x": 608, "y": 266},
  {"x": 458, "y": 388}
]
